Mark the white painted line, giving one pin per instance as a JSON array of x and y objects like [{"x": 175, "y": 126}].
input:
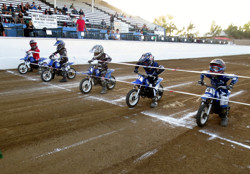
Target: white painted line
[
  {"x": 182, "y": 122},
  {"x": 74, "y": 145},
  {"x": 178, "y": 85},
  {"x": 146, "y": 155},
  {"x": 113, "y": 102},
  {"x": 57, "y": 86},
  {"x": 236, "y": 93},
  {"x": 225, "y": 139},
  {"x": 174, "y": 121},
  {"x": 17, "y": 74}
]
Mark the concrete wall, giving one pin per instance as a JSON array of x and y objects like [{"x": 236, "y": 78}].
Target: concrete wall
[
  {"x": 242, "y": 41},
  {"x": 12, "y": 49}
]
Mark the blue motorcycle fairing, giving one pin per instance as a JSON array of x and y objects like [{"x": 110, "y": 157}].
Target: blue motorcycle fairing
[{"x": 108, "y": 74}]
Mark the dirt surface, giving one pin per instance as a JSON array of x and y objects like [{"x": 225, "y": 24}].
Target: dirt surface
[{"x": 54, "y": 128}]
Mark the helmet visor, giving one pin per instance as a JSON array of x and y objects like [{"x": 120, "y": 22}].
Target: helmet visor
[{"x": 216, "y": 68}]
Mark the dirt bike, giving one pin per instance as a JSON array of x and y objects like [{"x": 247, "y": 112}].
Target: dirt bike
[
  {"x": 94, "y": 78},
  {"x": 26, "y": 66},
  {"x": 143, "y": 89},
  {"x": 55, "y": 68},
  {"x": 210, "y": 104}
]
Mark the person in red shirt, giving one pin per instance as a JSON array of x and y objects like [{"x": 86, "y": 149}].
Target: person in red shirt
[
  {"x": 35, "y": 54},
  {"x": 80, "y": 26}
]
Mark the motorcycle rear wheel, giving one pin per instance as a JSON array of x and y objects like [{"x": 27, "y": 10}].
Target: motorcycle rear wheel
[
  {"x": 111, "y": 83},
  {"x": 71, "y": 73},
  {"x": 202, "y": 117}
]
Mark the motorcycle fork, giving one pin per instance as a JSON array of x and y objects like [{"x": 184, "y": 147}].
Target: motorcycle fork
[{"x": 210, "y": 104}]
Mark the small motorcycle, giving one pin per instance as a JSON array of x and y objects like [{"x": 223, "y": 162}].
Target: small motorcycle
[
  {"x": 94, "y": 78},
  {"x": 24, "y": 67},
  {"x": 142, "y": 89},
  {"x": 54, "y": 68},
  {"x": 209, "y": 104}
]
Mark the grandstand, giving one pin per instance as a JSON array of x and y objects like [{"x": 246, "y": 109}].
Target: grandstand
[{"x": 130, "y": 26}]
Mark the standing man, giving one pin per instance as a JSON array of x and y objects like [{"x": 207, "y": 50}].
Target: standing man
[
  {"x": 112, "y": 22},
  {"x": 2, "y": 31},
  {"x": 80, "y": 26}
]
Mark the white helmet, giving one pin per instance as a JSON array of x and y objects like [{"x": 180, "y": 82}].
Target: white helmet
[{"x": 97, "y": 50}]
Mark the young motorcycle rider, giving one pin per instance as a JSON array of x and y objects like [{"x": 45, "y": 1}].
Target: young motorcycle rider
[
  {"x": 61, "y": 50},
  {"x": 103, "y": 60},
  {"x": 218, "y": 66},
  {"x": 153, "y": 69},
  {"x": 35, "y": 54}
]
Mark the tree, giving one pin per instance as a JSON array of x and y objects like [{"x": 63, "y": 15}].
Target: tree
[
  {"x": 215, "y": 30},
  {"x": 167, "y": 23},
  {"x": 190, "y": 28}
]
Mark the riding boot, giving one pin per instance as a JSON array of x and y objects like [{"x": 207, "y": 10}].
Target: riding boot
[
  {"x": 64, "y": 79},
  {"x": 104, "y": 87},
  {"x": 53, "y": 75},
  {"x": 223, "y": 116},
  {"x": 154, "y": 102}
]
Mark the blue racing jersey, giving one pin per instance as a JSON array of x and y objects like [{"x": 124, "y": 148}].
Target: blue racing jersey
[
  {"x": 220, "y": 80},
  {"x": 152, "y": 71}
]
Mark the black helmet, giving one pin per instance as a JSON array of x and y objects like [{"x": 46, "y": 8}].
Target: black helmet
[
  {"x": 60, "y": 45},
  {"x": 97, "y": 50},
  {"x": 217, "y": 66},
  {"x": 33, "y": 44},
  {"x": 146, "y": 59}
]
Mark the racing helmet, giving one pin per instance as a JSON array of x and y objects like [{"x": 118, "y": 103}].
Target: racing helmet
[
  {"x": 217, "y": 66},
  {"x": 60, "y": 45},
  {"x": 97, "y": 50},
  {"x": 146, "y": 59},
  {"x": 33, "y": 44}
]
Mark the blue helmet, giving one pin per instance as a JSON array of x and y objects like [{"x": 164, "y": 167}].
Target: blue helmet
[
  {"x": 217, "y": 66},
  {"x": 146, "y": 59},
  {"x": 60, "y": 44}
]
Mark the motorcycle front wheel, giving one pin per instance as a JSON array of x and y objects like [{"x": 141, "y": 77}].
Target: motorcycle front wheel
[
  {"x": 85, "y": 86},
  {"x": 132, "y": 98},
  {"x": 22, "y": 68},
  {"x": 46, "y": 75},
  {"x": 202, "y": 116}
]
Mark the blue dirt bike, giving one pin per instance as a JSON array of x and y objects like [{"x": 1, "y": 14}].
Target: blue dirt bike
[
  {"x": 210, "y": 104},
  {"x": 143, "y": 89},
  {"x": 94, "y": 78},
  {"x": 54, "y": 68},
  {"x": 29, "y": 62}
]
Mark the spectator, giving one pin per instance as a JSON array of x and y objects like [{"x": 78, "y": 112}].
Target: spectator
[
  {"x": 81, "y": 12},
  {"x": 74, "y": 11},
  {"x": 144, "y": 29},
  {"x": 18, "y": 8},
  {"x": 84, "y": 18},
  {"x": 112, "y": 37},
  {"x": 22, "y": 8},
  {"x": 60, "y": 12},
  {"x": 5, "y": 9},
  {"x": 27, "y": 7},
  {"x": 30, "y": 28},
  {"x": 107, "y": 35},
  {"x": 39, "y": 7},
  {"x": 10, "y": 8},
  {"x": 80, "y": 26},
  {"x": 65, "y": 9},
  {"x": 55, "y": 11},
  {"x": 72, "y": 6},
  {"x": 33, "y": 6},
  {"x": 45, "y": 12},
  {"x": 103, "y": 24},
  {"x": 116, "y": 35},
  {"x": 50, "y": 12},
  {"x": 20, "y": 17},
  {"x": 116, "y": 15},
  {"x": 2, "y": 31},
  {"x": 112, "y": 22}
]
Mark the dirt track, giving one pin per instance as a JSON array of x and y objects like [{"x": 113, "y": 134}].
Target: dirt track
[{"x": 53, "y": 128}]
